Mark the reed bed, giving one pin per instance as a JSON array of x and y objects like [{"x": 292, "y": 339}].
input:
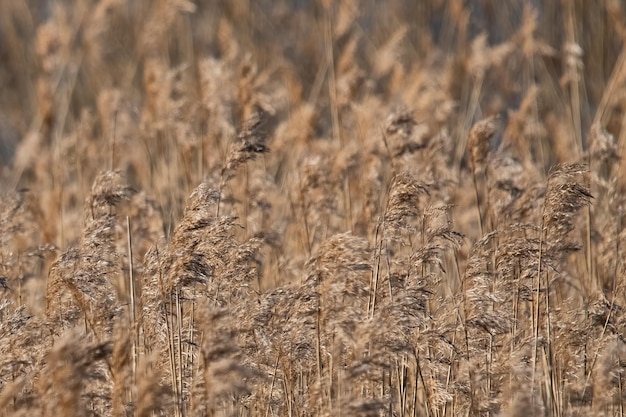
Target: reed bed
[{"x": 312, "y": 208}]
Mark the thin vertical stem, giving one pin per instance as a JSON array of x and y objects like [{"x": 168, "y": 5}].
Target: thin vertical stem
[{"x": 131, "y": 290}]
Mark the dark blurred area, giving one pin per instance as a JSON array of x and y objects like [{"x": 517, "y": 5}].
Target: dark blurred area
[{"x": 105, "y": 43}]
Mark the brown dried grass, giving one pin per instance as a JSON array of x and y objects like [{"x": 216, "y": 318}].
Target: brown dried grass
[{"x": 312, "y": 209}]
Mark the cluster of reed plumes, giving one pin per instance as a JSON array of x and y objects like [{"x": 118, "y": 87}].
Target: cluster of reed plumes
[{"x": 312, "y": 208}]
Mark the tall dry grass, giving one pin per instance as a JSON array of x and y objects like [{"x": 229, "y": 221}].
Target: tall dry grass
[{"x": 312, "y": 208}]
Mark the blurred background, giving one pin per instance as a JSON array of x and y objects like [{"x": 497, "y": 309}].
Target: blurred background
[{"x": 85, "y": 46}]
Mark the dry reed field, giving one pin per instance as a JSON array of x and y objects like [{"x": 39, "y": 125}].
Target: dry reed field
[{"x": 312, "y": 208}]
